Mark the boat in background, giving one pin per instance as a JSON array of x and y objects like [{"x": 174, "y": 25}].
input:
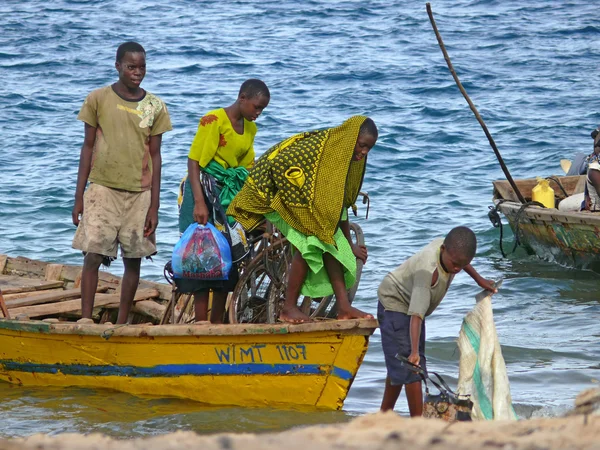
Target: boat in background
[
  {"x": 567, "y": 237},
  {"x": 247, "y": 365}
]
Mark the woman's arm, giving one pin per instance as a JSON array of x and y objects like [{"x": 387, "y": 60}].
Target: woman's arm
[
  {"x": 360, "y": 251},
  {"x": 200, "y": 209}
]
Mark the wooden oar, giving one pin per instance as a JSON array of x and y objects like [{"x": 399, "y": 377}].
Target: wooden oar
[
  {"x": 3, "y": 307},
  {"x": 472, "y": 106}
]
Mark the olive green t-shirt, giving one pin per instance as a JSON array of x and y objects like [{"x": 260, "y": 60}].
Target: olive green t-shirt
[
  {"x": 121, "y": 156},
  {"x": 407, "y": 289}
]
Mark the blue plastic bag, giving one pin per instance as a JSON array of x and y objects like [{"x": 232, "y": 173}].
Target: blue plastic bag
[{"x": 202, "y": 253}]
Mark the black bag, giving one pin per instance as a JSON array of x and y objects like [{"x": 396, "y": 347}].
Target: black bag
[{"x": 447, "y": 405}]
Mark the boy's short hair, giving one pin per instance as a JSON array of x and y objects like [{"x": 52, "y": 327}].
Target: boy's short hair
[
  {"x": 461, "y": 241},
  {"x": 368, "y": 127},
  {"x": 254, "y": 88},
  {"x": 131, "y": 47}
]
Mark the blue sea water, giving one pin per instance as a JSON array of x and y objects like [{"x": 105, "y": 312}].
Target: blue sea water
[{"x": 530, "y": 67}]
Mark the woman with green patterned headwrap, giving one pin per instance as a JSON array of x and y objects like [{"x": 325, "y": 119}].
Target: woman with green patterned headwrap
[{"x": 304, "y": 185}]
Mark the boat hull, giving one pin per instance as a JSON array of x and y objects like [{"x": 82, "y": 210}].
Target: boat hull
[
  {"x": 570, "y": 238},
  {"x": 243, "y": 365}
]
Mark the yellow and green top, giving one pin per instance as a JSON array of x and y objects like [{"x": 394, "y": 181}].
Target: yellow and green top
[
  {"x": 121, "y": 157},
  {"x": 308, "y": 179},
  {"x": 217, "y": 140}
]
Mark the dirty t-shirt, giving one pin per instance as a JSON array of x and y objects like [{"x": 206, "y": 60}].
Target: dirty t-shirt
[
  {"x": 217, "y": 140},
  {"x": 407, "y": 289},
  {"x": 121, "y": 156}
]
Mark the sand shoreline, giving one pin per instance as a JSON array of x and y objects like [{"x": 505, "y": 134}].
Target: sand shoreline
[{"x": 372, "y": 431}]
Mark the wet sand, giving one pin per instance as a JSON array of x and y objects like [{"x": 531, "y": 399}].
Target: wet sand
[{"x": 373, "y": 431}]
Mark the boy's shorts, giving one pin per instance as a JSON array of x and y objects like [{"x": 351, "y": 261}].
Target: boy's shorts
[
  {"x": 395, "y": 339},
  {"x": 113, "y": 217}
]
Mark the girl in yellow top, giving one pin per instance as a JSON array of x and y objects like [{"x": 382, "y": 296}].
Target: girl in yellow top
[{"x": 224, "y": 149}]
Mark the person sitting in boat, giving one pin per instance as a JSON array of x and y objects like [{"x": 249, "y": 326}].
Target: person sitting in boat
[
  {"x": 410, "y": 293},
  {"x": 304, "y": 185},
  {"x": 223, "y": 148},
  {"x": 120, "y": 157},
  {"x": 592, "y": 185}
]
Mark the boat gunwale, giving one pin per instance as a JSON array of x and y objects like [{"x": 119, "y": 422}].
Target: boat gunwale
[
  {"x": 547, "y": 214},
  {"x": 106, "y": 331}
]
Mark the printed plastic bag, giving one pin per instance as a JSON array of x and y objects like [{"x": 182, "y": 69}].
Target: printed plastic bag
[{"x": 202, "y": 253}]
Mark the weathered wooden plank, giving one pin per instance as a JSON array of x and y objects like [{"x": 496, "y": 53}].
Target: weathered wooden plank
[
  {"x": 49, "y": 297},
  {"x": 75, "y": 305},
  {"x": 3, "y": 260},
  {"x": 40, "y": 287},
  {"x": 53, "y": 272},
  {"x": 163, "y": 288},
  {"x": 353, "y": 326},
  {"x": 3, "y": 307},
  {"x": 572, "y": 185},
  {"x": 149, "y": 308},
  {"x": 21, "y": 266},
  {"x": 30, "y": 294},
  {"x": 25, "y": 266}
]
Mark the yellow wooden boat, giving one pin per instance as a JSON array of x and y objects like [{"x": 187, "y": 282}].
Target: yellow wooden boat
[{"x": 249, "y": 365}]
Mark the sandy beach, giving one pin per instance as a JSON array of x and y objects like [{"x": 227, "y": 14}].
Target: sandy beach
[{"x": 373, "y": 431}]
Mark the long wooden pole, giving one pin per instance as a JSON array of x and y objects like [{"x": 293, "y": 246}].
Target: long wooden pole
[{"x": 472, "y": 106}]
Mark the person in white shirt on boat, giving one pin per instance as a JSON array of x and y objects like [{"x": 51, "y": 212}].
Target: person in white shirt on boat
[{"x": 592, "y": 182}]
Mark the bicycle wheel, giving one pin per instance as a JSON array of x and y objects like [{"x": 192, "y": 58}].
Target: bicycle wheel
[
  {"x": 279, "y": 261},
  {"x": 252, "y": 292}
]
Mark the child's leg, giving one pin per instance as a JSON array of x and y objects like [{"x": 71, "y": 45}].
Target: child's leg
[
  {"x": 414, "y": 395},
  {"x": 297, "y": 275},
  {"x": 336, "y": 277},
  {"x": 131, "y": 279},
  {"x": 201, "y": 306},
  {"x": 89, "y": 283},
  {"x": 218, "y": 307},
  {"x": 390, "y": 395}
]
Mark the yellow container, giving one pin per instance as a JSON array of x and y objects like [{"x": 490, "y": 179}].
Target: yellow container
[{"x": 543, "y": 193}]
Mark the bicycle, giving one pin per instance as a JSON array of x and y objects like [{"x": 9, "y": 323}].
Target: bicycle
[
  {"x": 258, "y": 295},
  {"x": 263, "y": 278}
]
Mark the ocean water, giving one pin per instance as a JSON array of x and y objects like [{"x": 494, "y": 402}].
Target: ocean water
[{"x": 530, "y": 67}]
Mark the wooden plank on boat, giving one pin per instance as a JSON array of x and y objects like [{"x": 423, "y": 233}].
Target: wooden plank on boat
[
  {"x": 29, "y": 294},
  {"x": 164, "y": 289},
  {"x": 75, "y": 305},
  {"x": 351, "y": 326},
  {"x": 16, "y": 285},
  {"x": 149, "y": 308},
  {"x": 53, "y": 272},
  {"x": 3, "y": 307},
  {"x": 572, "y": 185},
  {"x": 25, "y": 266},
  {"x": 49, "y": 297}
]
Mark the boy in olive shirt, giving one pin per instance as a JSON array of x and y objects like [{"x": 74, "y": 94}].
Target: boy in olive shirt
[
  {"x": 121, "y": 159},
  {"x": 410, "y": 293}
]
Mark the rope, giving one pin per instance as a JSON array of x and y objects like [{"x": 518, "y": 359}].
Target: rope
[
  {"x": 557, "y": 181},
  {"x": 494, "y": 217}
]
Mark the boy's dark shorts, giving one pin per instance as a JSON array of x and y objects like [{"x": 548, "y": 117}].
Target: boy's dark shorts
[{"x": 395, "y": 339}]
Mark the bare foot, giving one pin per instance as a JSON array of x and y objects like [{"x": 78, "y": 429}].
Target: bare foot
[
  {"x": 202, "y": 322},
  {"x": 353, "y": 313},
  {"x": 293, "y": 315}
]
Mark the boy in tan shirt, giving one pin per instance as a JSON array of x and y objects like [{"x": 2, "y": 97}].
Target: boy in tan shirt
[
  {"x": 410, "y": 293},
  {"x": 121, "y": 159}
]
